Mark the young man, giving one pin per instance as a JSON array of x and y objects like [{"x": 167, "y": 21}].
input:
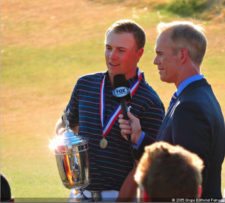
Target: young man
[
  {"x": 166, "y": 172},
  {"x": 93, "y": 111},
  {"x": 194, "y": 119}
]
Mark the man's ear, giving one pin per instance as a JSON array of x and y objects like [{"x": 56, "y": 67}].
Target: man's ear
[
  {"x": 140, "y": 52},
  {"x": 199, "y": 191},
  {"x": 184, "y": 55}
]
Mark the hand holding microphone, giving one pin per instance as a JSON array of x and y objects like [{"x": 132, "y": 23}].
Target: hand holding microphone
[
  {"x": 130, "y": 127},
  {"x": 129, "y": 124}
]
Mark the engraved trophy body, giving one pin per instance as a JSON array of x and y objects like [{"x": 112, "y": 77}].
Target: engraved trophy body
[{"x": 71, "y": 153}]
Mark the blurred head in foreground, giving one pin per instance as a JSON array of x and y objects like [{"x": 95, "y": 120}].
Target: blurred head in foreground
[{"x": 166, "y": 172}]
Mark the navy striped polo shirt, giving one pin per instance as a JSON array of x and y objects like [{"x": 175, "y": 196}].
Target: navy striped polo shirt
[{"x": 110, "y": 166}]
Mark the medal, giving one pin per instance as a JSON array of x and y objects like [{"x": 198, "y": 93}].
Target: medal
[
  {"x": 108, "y": 124},
  {"x": 103, "y": 143}
]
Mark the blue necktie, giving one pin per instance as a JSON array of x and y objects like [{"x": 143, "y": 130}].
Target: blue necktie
[{"x": 173, "y": 100}]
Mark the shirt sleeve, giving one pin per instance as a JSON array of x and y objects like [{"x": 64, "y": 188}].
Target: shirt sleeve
[
  {"x": 72, "y": 107},
  {"x": 150, "y": 121}
]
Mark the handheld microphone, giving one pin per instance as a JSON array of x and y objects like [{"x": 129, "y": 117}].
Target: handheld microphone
[{"x": 122, "y": 92}]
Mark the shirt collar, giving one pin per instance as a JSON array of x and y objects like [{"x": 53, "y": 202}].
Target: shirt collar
[
  {"x": 135, "y": 78},
  {"x": 188, "y": 81}
]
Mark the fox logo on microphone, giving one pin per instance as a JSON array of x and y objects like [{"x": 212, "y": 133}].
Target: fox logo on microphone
[{"x": 121, "y": 92}]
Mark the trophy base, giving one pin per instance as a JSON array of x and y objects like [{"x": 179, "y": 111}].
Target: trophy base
[{"x": 76, "y": 195}]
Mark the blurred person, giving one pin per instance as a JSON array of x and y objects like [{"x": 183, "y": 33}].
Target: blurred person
[
  {"x": 168, "y": 173},
  {"x": 5, "y": 195},
  {"x": 92, "y": 111},
  {"x": 194, "y": 118}
]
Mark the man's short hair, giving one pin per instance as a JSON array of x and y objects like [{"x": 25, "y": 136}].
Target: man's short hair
[
  {"x": 166, "y": 171},
  {"x": 129, "y": 26},
  {"x": 185, "y": 34}
]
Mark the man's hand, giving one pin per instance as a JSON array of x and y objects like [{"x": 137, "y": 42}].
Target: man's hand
[
  {"x": 60, "y": 127},
  {"x": 130, "y": 127}
]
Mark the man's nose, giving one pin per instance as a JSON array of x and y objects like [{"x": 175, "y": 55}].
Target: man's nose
[
  {"x": 113, "y": 54},
  {"x": 155, "y": 61}
]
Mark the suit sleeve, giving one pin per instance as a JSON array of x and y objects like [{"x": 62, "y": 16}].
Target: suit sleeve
[{"x": 146, "y": 141}]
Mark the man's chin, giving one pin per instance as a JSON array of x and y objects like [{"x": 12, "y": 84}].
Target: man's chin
[{"x": 164, "y": 79}]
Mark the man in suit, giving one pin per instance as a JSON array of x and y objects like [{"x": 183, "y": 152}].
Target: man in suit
[{"x": 194, "y": 119}]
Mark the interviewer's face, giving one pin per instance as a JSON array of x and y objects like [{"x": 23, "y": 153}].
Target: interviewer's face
[
  {"x": 121, "y": 54},
  {"x": 166, "y": 59}
]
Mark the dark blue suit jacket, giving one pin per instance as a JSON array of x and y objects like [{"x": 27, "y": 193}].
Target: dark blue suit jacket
[{"x": 196, "y": 123}]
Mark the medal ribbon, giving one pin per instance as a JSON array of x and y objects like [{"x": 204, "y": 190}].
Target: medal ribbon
[{"x": 108, "y": 125}]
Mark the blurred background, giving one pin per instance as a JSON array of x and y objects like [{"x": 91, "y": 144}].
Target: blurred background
[{"x": 46, "y": 45}]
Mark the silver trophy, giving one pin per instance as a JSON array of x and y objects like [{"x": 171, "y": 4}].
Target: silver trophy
[{"x": 71, "y": 152}]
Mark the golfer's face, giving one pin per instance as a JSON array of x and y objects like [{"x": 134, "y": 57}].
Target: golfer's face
[{"x": 121, "y": 54}]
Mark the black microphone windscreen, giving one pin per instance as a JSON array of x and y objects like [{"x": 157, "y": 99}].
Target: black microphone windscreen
[
  {"x": 120, "y": 81},
  {"x": 121, "y": 87}
]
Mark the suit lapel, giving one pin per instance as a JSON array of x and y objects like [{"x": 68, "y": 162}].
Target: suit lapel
[
  {"x": 165, "y": 132},
  {"x": 166, "y": 124}
]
